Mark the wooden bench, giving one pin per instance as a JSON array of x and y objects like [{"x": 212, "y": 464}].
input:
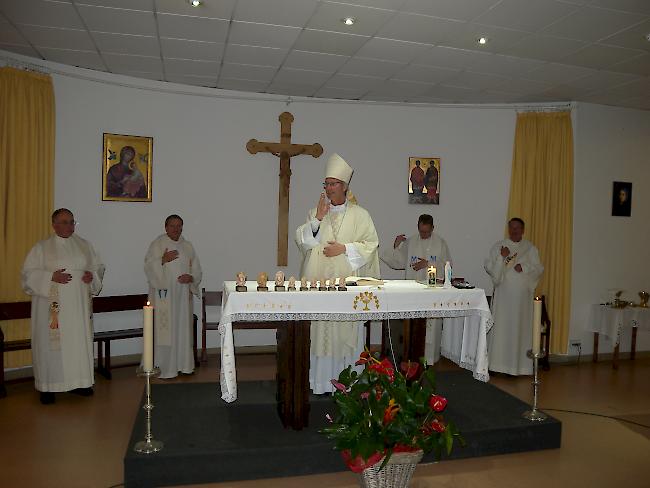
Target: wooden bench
[{"x": 117, "y": 303}]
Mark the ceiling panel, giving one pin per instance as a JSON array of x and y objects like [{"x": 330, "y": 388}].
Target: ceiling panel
[
  {"x": 418, "y": 28},
  {"x": 592, "y": 24},
  {"x": 392, "y": 50},
  {"x": 476, "y": 81},
  {"x": 353, "y": 82},
  {"x": 191, "y": 67},
  {"x": 60, "y": 38},
  {"x": 425, "y": 74},
  {"x": 315, "y": 61},
  {"x": 262, "y": 56},
  {"x": 192, "y": 28},
  {"x": 278, "y": 12},
  {"x": 632, "y": 38},
  {"x": 546, "y": 48},
  {"x": 329, "y": 42},
  {"x": 146, "y": 5},
  {"x": 340, "y": 93},
  {"x": 266, "y": 35},
  {"x": 10, "y": 35},
  {"x": 466, "y": 37},
  {"x": 127, "y": 44},
  {"x": 529, "y": 15},
  {"x": 371, "y": 67},
  {"x": 123, "y": 21},
  {"x": 248, "y": 72},
  {"x": 206, "y": 81},
  {"x": 599, "y": 57},
  {"x": 199, "y": 50},
  {"x": 452, "y": 58},
  {"x": 450, "y": 9},
  {"x": 40, "y": 12},
  {"x": 639, "y": 65},
  {"x": 119, "y": 63},
  {"x": 241, "y": 85},
  {"x": 301, "y": 77},
  {"x": 23, "y": 49},
  {"x": 638, "y": 6}
]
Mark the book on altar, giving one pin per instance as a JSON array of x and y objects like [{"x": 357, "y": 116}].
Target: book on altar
[{"x": 362, "y": 281}]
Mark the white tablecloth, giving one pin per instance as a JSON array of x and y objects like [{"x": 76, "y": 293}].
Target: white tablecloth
[
  {"x": 610, "y": 321},
  {"x": 396, "y": 299}
]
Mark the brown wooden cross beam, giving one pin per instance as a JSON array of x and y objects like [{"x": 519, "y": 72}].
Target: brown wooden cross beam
[{"x": 285, "y": 151}]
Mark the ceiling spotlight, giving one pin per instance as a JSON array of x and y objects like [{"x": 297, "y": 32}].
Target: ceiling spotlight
[
  {"x": 348, "y": 20},
  {"x": 647, "y": 37},
  {"x": 195, "y": 3},
  {"x": 482, "y": 40}
]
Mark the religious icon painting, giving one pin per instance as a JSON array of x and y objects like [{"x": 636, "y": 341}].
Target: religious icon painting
[
  {"x": 622, "y": 199},
  {"x": 424, "y": 180},
  {"x": 126, "y": 168}
]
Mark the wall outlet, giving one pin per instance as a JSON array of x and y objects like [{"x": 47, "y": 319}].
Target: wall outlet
[{"x": 577, "y": 344}]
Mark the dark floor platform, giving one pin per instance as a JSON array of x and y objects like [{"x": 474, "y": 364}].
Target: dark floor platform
[{"x": 207, "y": 440}]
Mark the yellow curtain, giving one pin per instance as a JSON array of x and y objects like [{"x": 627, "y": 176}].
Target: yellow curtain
[
  {"x": 26, "y": 175},
  {"x": 541, "y": 193}
]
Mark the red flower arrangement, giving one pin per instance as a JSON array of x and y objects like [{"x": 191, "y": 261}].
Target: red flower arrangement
[{"x": 381, "y": 411}]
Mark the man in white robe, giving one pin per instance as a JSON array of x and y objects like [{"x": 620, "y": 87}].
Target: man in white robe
[
  {"x": 515, "y": 269},
  {"x": 338, "y": 240},
  {"x": 414, "y": 255},
  {"x": 174, "y": 272},
  {"x": 61, "y": 274}
]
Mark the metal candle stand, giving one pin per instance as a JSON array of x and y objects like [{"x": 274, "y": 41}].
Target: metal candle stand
[
  {"x": 534, "y": 414},
  {"x": 148, "y": 445}
]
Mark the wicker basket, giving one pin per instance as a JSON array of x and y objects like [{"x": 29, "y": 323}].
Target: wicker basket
[{"x": 396, "y": 474}]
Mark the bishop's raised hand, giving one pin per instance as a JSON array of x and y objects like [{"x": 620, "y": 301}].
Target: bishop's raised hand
[{"x": 323, "y": 207}]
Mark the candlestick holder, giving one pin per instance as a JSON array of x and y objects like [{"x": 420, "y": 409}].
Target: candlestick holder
[
  {"x": 148, "y": 445},
  {"x": 535, "y": 415}
]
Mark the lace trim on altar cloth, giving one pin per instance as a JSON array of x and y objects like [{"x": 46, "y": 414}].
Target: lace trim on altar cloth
[{"x": 352, "y": 317}]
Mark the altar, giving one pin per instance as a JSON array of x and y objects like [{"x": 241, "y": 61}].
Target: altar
[{"x": 395, "y": 299}]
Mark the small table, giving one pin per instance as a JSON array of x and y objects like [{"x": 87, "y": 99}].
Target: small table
[{"x": 610, "y": 322}]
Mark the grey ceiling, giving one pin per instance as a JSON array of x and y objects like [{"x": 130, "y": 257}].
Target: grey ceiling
[{"x": 398, "y": 50}]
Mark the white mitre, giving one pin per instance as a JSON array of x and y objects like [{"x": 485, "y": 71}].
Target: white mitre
[{"x": 336, "y": 167}]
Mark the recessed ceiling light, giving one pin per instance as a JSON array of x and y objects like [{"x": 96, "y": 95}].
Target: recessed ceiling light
[
  {"x": 348, "y": 20},
  {"x": 647, "y": 37},
  {"x": 482, "y": 40},
  {"x": 195, "y": 3}
]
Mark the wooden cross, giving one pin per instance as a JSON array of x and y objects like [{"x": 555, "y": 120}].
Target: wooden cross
[{"x": 285, "y": 151}]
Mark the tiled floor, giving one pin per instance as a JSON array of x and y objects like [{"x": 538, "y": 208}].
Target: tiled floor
[{"x": 80, "y": 442}]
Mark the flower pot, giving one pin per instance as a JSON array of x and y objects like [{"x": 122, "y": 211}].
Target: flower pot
[{"x": 396, "y": 474}]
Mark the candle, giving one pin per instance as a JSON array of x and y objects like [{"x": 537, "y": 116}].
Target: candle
[
  {"x": 147, "y": 336},
  {"x": 537, "y": 324},
  {"x": 431, "y": 272}
]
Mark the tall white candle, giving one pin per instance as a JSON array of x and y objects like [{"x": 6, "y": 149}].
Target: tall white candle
[
  {"x": 537, "y": 324},
  {"x": 147, "y": 336}
]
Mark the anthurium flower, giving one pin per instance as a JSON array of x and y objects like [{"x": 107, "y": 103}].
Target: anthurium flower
[
  {"x": 434, "y": 426},
  {"x": 437, "y": 403},
  {"x": 391, "y": 411},
  {"x": 364, "y": 357},
  {"x": 339, "y": 386},
  {"x": 385, "y": 368},
  {"x": 410, "y": 369}
]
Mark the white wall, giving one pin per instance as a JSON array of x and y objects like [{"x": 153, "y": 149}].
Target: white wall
[
  {"x": 609, "y": 253},
  {"x": 228, "y": 197}
]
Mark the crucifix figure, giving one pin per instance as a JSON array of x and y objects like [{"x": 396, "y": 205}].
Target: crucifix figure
[{"x": 285, "y": 151}]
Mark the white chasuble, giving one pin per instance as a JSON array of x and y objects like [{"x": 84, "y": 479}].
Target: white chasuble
[
  {"x": 173, "y": 305},
  {"x": 436, "y": 252},
  {"x": 335, "y": 344},
  {"x": 62, "y": 329},
  {"x": 512, "y": 305}
]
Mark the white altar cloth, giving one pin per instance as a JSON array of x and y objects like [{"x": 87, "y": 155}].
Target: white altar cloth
[
  {"x": 610, "y": 321},
  {"x": 395, "y": 299}
]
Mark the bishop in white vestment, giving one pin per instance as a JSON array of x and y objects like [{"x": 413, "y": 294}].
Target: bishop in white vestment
[
  {"x": 61, "y": 274},
  {"x": 174, "y": 273},
  {"x": 338, "y": 240},
  {"x": 515, "y": 269},
  {"x": 414, "y": 255}
]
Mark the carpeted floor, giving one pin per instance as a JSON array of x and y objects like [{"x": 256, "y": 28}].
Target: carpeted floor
[{"x": 208, "y": 440}]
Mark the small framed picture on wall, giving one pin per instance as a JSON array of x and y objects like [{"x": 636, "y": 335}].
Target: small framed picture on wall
[
  {"x": 622, "y": 199},
  {"x": 424, "y": 180}
]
